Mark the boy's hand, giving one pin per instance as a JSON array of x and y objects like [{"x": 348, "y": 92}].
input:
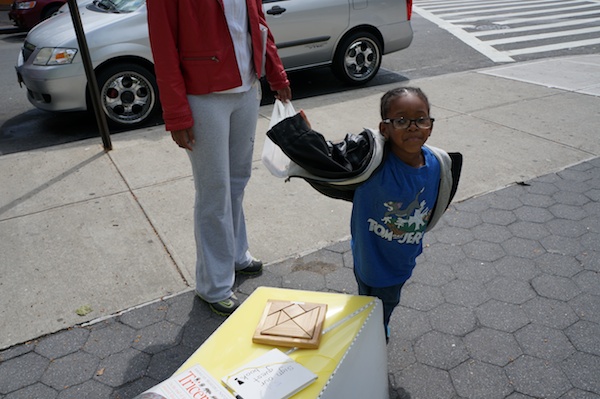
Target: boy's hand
[{"x": 305, "y": 118}]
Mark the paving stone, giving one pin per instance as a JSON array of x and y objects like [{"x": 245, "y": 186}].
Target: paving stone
[
  {"x": 22, "y": 371},
  {"x": 340, "y": 247},
  {"x": 558, "y": 264},
  {"x": 432, "y": 274},
  {"x": 585, "y": 336},
  {"x": 539, "y": 187},
  {"x": 587, "y": 307},
  {"x": 121, "y": 368},
  {"x": 544, "y": 342},
  {"x": 408, "y": 323},
  {"x": 34, "y": 391},
  {"x": 550, "y": 312},
  {"x": 135, "y": 388},
  {"x": 349, "y": 260},
  {"x": 562, "y": 245},
  {"x": 473, "y": 205},
  {"x": 452, "y": 235},
  {"x": 70, "y": 370},
  {"x": 522, "y": 247},
  {"x": 566, "y": 228},
  {"x": 492, "y": 346},
  {"x": 583, "y": 370},
  {"x": 62, "y": 343},
  {"x": 484, "y": 251},
  {"x": 505, "y": 202},
  {"x": 498, "y": 217},
  {"x": 17, "y": 350},
  {"x": 474, "y": 270},
  {"x": 474, "y": 379},
  {"x": 180, "y": 308},
  {"x": 89, "y": 389},
  {"x": 537, "y": 378},
  {"x": 145, "y": 315},
  {"x": 579, "y": 394},
  {"x": 452, "y": 319},
  {"x": 529, "y": 230},
  {"x": 590, "y": 261},
  {"x": 465, "y": 293},
  {"x": 157, "y": 337},
  {"x": 492, "y": 233},
  {"x": 440, "y": 350},
  {"x": 501, "y": 316},
  {"x": 571, "y": 198},
  {"x": 304, "y": 280},
  {"x": 462, "y": 219},
  {"x": 510, "y": 290},
  {"x": 267, "y": 279},
  {"x": 110, "y": 339},
  {"x": 555, "y": 287},
  {"x": 588, "y": 281},
  {"x": 444, "y": 254},
  {"x": 164, "y": 364},
  {"x": 533, "y": 214},
  {"x": 420, "y": 296},
  {"x": 422, "y": 381},
  {"x": 341, "y": 281},
  {"x": 517, "y": 268},
  {"x": 590, "y": 241},
  {"x": 537, "y": 200},
  {"x": 194, "y": 334},
  {"x": 403, "y": 353},
  {"x": 322, "y": 261}
]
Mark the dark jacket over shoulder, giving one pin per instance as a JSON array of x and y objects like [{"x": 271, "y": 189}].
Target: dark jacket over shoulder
[{"x": 337, "y": 169}]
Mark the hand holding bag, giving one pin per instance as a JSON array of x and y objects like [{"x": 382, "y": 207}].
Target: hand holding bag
[{"x": 272, "y": 157}]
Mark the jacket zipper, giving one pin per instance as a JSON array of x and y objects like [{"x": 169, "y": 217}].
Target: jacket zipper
[{"x": 211, "y": 58}]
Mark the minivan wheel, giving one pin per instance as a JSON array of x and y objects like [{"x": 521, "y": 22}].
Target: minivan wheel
[
  {"x": 128, "y": 94},
  {"x": 357, "y": 58}
]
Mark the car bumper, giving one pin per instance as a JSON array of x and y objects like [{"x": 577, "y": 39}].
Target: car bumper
[
  {"x": 68, "y": 86},
  {"x": 396, "y": 36}
]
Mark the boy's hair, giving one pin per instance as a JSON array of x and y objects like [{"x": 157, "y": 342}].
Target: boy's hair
[{"x": 390, "y": 95}]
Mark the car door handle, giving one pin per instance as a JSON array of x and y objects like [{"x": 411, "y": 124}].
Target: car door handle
[{"x": 276, "y": 10}]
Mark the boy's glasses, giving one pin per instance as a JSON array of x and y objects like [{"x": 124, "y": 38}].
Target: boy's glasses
[{"x": 404, "y": 123}]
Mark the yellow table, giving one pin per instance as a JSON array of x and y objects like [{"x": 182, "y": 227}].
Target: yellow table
[{"x": 351, "y": 360}]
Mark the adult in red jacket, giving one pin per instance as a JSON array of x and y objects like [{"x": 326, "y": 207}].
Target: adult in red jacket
[{"x": 209, "y": 56}]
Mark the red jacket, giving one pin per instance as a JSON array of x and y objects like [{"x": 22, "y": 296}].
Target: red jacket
[{"x": 194, "y": 54}]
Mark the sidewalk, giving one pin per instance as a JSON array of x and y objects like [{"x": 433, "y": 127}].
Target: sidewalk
[{"x": 505, "y": 300}]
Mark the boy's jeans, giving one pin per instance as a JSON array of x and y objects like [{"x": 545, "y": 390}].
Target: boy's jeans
[{"x": 390, "y": 296}]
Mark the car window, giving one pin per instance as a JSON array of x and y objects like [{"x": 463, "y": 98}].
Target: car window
[{"x": 119, "y": 5}]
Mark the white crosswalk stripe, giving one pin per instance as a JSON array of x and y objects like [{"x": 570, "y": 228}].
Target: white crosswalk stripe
[{"x": 503, "y": 29}]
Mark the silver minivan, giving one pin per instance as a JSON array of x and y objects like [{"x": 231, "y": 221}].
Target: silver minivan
[{"x": 351, "y": 36}]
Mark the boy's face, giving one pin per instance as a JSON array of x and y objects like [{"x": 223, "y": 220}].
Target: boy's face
[{"x": 406, "y": 143}]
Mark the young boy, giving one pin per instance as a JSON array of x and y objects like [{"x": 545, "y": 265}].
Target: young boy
[
  {"x": 395, "y": 202},
  {"x": 392, "y": 209}
]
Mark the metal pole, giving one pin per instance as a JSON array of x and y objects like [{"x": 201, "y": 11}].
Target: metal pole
[{"x": 89, "y": 72}]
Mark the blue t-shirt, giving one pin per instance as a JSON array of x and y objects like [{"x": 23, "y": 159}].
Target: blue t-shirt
[{"x": 389, "y": 216}]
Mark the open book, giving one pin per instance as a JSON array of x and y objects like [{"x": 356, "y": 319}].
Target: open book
[
  {"x": 192, "y": 383},
  {"x": 273, "y": 375}
]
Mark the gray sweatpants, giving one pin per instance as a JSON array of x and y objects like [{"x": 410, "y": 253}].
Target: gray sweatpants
[{"x": 224, "y": 129}]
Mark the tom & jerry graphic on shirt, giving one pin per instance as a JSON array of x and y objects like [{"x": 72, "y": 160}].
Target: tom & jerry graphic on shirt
[{"x": 404, "y": 224}]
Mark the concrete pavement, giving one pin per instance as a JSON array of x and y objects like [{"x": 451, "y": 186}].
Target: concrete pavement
[{"x": 504, "y": 302}]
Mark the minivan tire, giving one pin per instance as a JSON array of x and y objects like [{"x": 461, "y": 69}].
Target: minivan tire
[
  {"x": 128, "y": 94},
  {"x": 358, "y": 58}
]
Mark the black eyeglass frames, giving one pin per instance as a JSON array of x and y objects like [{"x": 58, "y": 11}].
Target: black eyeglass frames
[{"x": 404, "y": 123}]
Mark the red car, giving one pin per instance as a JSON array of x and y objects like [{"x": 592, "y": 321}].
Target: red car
[{"x": 28, "y": 13}]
